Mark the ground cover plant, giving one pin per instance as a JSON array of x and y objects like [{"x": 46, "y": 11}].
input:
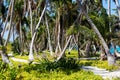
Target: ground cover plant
[{"x": 66, "y": 69}]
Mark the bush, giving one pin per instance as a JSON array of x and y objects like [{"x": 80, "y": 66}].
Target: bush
[{"x": 46, "y": 65}]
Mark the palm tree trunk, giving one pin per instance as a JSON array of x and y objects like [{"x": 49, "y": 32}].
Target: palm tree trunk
[
  {"x": 10, "y": 24},
  {"x": 78, "y": 41},
  {"x": 109, "y": 8},
  {"x": 21, "y": 39},
  {"x": 31, "y": 56},
  {"x": 49, "y": 40},
  {"x": 58, "y": 36},
  {"x": 111, "y": 59},
  {"x": 87, "y": 49},
  {"x": 109, "y": 12},
  {"x": 31, "y": 18},
  {"x": 2, "y": 34},
  {"x": 63, "y": 51},
  {"x": 118, "y": 8}
]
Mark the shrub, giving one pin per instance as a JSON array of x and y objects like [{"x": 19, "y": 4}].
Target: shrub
[{"x": 46, "y": 65}]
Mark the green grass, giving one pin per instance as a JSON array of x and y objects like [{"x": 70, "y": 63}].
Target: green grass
[
  {"x": 73, "y": 54},
  {"x": 58, "y": 75},
  {"x": 45, "y": 71},
  {"x": 99, "y": 64},
  {"x": 65, "y": 70}
]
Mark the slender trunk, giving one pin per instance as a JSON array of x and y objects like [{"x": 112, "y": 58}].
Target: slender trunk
[
  {"x": 10, "y": 27},
  {"x": 109, "y": 12},
  {"x": 31, "y": 56},
  {"x": 63, "y": 51},
  {"x": 62, "y": 23},
  {"x": 87, "y": 49},
  {"x": 118, "y": 8},
  {"x": 58, "y": 41},
  {"x": 58, "y": 36},
  {"x": 70, "y": 45},
  {"x": 109, "y": 8},
  {"x": 21, "y": 40},
  {"x": 49, "y": 40},
  {"x": 13, "y": 38},
  {"x": 31, "y": 27},
  {"x": 13, "y": 33},
  {"x": 78, "y": 41},
  {"x": 25, "y": 7},
  {"x": 2, "y": 34}
]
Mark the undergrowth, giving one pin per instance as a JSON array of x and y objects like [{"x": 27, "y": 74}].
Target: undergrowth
[{"x": 65, "y": 69}]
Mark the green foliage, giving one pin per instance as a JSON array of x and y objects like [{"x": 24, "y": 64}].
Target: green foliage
[
  {"x": 88, "y": 33},
  {"x": 63, "y": 64},
  {"x": 72, "y": 30},
  {"x": 49, "y": 70},
  {"x": 65, "y": 69},
  {"x": 15, "y": 47},
  {"x": 7, "y": 72},
  {"x": 101, "y": 20},
  {"x": 18, "y": 6}
]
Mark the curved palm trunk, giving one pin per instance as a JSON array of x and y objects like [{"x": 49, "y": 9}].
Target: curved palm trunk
[
  {"x": 31, "y": 56},
  {"x": 2, "y": 34},
  {"x": 58, "y": 47},
  {"x": 10, "y": 24},
  {"x": 49, "y": 40},
  {"x": 63, "y": 51},
  {"x": 97, "y": 32},
  {"x": 111, "y": 59}
]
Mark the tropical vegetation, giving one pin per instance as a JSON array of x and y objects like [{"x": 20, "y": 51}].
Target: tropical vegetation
[{"x": 54, "y": 35}]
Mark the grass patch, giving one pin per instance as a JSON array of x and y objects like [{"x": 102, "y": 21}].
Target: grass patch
[
  {"x": 99, "y": 64},
  {"x": 66, "y": 69},
  {"x": 73, "y": 54}
]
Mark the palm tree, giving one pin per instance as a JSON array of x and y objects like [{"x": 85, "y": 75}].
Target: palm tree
[
  {"x": 82, "y": 7},
  {"x": 11, "y": 17},
  {"x": 3, "y": 52},
  {"x": 31, "y": 56}
]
